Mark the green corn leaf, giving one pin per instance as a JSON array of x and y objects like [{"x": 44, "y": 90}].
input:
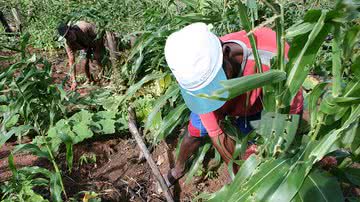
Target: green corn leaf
[
  {"x": 171, "y": 120},
  {"x": 160, "y": 102},
  {"x": 197, "y": 17},
  {"x": 134, "y": 88},
  {"x": 346, "y": 101},
  {"x": 299, "y": 29},
  {"x": 319, "y": 186},
  {"x": 197, "y": 162},
  {"x": 135, "y": 68},
  {"x": 12, "y": 164},
  {"x": 350, "y": 39},
  {"x": 263, "y": 182},
  {"x": 336, "y": 63},
  {"x": 326, "y": 143},
  {"x": 245, "y": 171},
  {"x": 352, "y": 89},
  {"x": 301, "y": 56},
  {"x": 69, "y": 148},
  {"x": 350, "y": 139},
  {"x": 11, "y": 121},
  {"x": 55, "y": 187},
  {"x": 328, "y": 106},
  {"x": 279, "y": 131},
  {"x": 353, "y": 175},
  {"x": 36, "y": 170},
  {"x": 33, "y": 149},
  {"x": 244, "y": 84},
  {"x": 14, "y": 130},
  {"x": 313, "y": 102},
  {"x": 355, "y": 68},
  {"x": 247, "y": 26}
]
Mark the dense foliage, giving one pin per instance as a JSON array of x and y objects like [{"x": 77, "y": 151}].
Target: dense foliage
[{"x": 324, "y": 41}]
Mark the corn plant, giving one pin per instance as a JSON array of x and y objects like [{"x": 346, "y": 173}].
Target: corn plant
[
  {"x": 286, "y": 169},
  {"x": 31, "y": 104}
]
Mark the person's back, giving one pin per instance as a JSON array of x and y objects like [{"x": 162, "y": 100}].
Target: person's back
[
  {"x": 82, "y": 36},
  {"x": 85, "y": 34}
]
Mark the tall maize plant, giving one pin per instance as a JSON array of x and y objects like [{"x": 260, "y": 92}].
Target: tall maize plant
[{"x": 287, "y": 168}]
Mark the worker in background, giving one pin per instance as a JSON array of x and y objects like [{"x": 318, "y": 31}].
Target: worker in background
[
  {"x": 199, "y": 60},
  {"x": 82, "y": 36}
]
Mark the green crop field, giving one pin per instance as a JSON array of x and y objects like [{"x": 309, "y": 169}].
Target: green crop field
[{"x": 58, "y": 144}]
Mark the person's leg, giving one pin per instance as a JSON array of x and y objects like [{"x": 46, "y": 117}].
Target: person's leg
[
  {"x": 191, "y": 142},
  {"x": 99, "y": 53},
  {"x": 188, "y": 147},
  {"x": 87, "y": 65}
]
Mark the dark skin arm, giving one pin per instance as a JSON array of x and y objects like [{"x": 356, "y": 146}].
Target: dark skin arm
[{"x": 232, "y": 59}]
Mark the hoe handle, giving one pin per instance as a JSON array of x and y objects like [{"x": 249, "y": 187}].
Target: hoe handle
[{"x": 135, "y": 132}]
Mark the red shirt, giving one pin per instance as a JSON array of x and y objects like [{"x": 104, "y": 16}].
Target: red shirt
[{"x": 266, "y": 45}]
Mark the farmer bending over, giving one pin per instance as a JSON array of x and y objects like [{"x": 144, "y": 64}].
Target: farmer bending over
[
  {"x": 82, "y": 36},
  {"x": 199, "y": 60}
]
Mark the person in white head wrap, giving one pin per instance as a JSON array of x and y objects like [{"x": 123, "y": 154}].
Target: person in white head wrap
[{"x": 200, "y": 60}]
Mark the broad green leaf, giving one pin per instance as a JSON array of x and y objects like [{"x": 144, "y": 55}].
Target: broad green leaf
[
  {"x": 245, "y": 171},
  {"x": 107, "y": 126},
  {"x": 352, "y": 89},
  {"x": 55, "y": 139},
  {"x": 328, "y": 106},
  {"x": 106, "y": 114},
  {"x": 82, "y": 132},
  {"x": 84, "y": 117},
  {"x": 349, "y": 139},
  {"x": 197, "y": 162},
  {"x": 238, "y": 86},
  {"x": 293, "y": 180}
]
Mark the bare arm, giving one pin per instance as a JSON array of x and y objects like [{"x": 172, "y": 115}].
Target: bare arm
[{"x": 71, "y": 65}]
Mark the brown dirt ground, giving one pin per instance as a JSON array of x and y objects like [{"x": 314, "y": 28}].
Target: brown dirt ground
[{"x": 118, "y": 174}]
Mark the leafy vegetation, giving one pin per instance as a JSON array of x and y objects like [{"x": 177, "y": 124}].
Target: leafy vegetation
[{"x": 324, "y": 41}]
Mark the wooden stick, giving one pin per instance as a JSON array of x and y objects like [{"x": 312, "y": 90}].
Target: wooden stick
[{"x": 135, "y": 132}]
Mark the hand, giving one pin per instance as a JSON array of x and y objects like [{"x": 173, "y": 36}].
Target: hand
[{"x": 73, "y": 86}]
